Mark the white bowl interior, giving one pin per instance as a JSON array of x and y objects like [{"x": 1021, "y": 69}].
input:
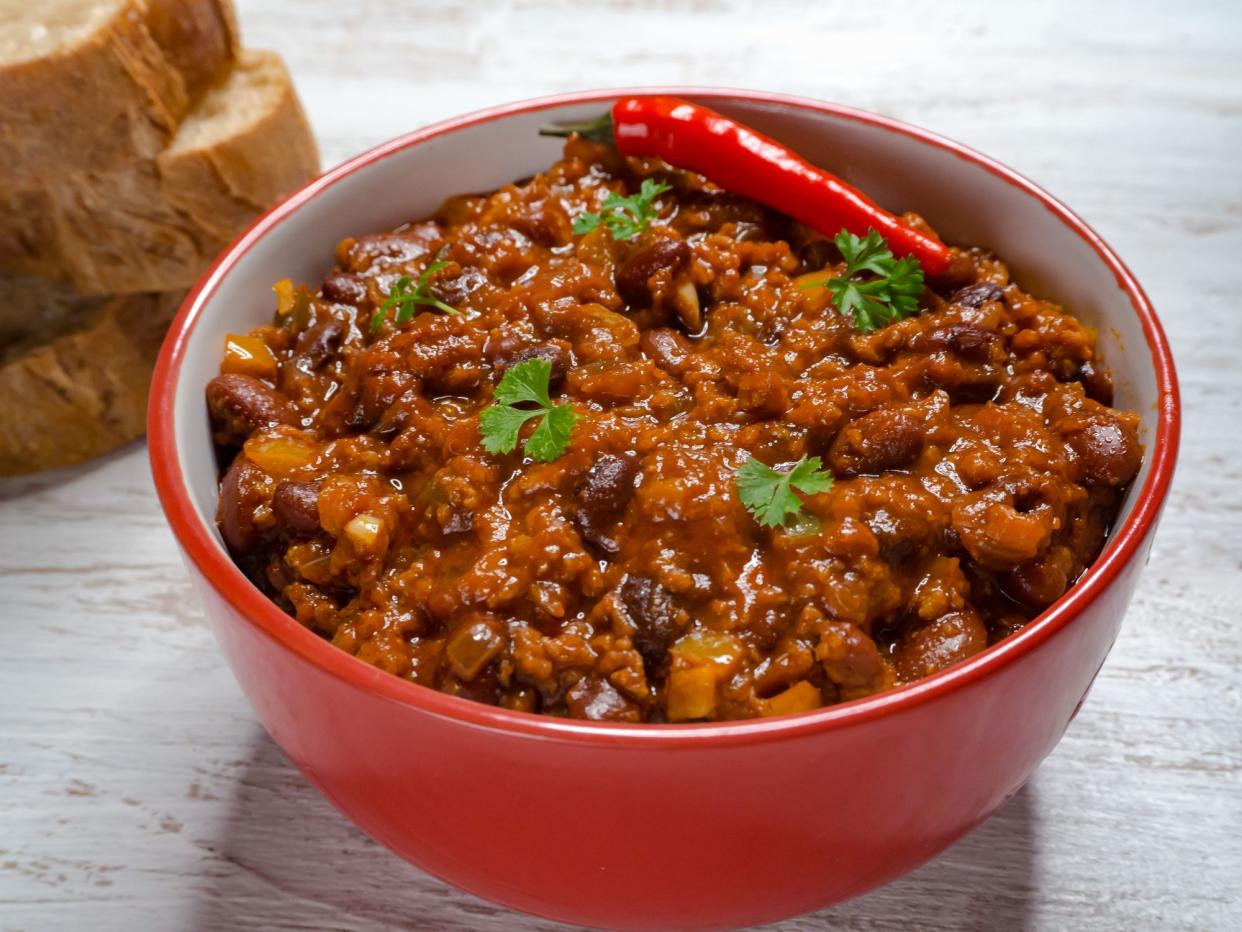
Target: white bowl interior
[{"x": 963, "y": 200}]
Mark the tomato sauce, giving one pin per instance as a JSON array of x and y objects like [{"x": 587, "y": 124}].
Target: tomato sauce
[{"x": 977, "y": 458}]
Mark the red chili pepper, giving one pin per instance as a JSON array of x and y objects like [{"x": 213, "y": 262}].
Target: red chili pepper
[{"x": 745, "y": 162}]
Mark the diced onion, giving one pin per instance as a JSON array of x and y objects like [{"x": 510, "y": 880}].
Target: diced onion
[
  {"x": 691, "y": 694},
  {"x": 284, "y": 296},
  {"x": 800, "y": 697},
  {"x": 366, "y": 533},
  {"x": 706, "y": 646},
  {"x": 472, "y": 647}
]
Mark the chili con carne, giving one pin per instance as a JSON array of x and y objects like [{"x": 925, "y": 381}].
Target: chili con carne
[{"x": 931, "y": 484}]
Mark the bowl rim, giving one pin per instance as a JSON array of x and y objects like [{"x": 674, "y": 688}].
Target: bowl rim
[{"x": 242, "y": 596}]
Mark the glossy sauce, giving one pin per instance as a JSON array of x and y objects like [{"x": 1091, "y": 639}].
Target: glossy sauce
[{"x": 978, "y": 460}]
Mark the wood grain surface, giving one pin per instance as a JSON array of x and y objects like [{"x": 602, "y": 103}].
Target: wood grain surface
[{"x": 138, "y": 791}]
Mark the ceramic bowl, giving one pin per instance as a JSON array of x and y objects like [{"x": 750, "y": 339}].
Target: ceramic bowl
[{"x": 666, "y": 826}]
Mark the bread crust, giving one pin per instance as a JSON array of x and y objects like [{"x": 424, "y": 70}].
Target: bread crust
[
  {"x": 115, "y": 94},
  {"x": 199, "y": 37},
  {"x": 155, "y": 224},
  {"x": 82, "y": 393}
]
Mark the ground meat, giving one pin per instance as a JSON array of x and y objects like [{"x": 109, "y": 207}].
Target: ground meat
[{"x": 977, "y": 459}]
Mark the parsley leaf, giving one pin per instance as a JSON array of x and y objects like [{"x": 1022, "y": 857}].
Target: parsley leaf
[
  {"x": 551, "y": 435},
  {"x": 404, "y": 296},
  {"x": 864, "y": 254},
  {"x": 500, "y": 424},
  {"x": 527, "y": 381},
  {"x": 875, "y": 302},
  {"x": 768, "y": 493},
  {"x": 623, "y": 217}
]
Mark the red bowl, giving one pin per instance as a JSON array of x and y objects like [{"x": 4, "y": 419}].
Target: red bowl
[{"x": 662, "y": 826}]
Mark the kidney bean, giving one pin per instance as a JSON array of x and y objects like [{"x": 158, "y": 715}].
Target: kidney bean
[
  {"x": 1040, "y": 582},
  {"x": 296, "y": 504},
  {"x": 553, "y": 353},
  {"x": 947, "y": 640},
  {"x": 401, "y": 245},
  {"x": 658, "y": 623},
  {"x": 241, "y": 404},
  {"x": 316, "y": 344},
  {"x": 501, "y": 347},
  {"x": 632, "y": 275},
  {"x": 545, "y": 222},
  {"x": 899, "y": 533},
  {"x": 850, "y": 657},
  {"x": 456, "y": 291},
  {"x": 596, "y": 699},
  {"x": 667, "y": 348},
  {"x": 970, "y": 341},
  {"x": 1108, "y": 451},
  {"x": 976, "y": 294},
  {"x": 344, "y": 288},
  {"x": 884, "y": 439},
  {"x": 602, "y": 496},
  {"x": 242, "y": 490},
  {"x": 1097, "y": 382},
  {"x": 998, "y": 536}
]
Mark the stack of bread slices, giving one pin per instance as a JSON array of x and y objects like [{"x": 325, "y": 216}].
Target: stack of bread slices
[{"x": 136, "y": 140}]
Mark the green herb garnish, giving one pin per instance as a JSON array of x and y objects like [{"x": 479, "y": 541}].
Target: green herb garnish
[
  {"x": 768, "y": 493},
  {"x": 624, "y": 217},
  {"x": 405, "y": 296},
  {"x": 527, "y": 383},
  {"x": 875, "y": 302}
]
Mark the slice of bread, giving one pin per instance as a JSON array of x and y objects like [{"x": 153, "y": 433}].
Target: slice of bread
[
  {"x": 92, "y": 84},
  {"x": 34, "y": 310},
  {"x": 155, "y": 224},
  {"x": 74, "y": 371}
]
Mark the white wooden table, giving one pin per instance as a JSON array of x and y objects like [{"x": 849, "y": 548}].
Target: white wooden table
[{"x": 137, "y": 789}]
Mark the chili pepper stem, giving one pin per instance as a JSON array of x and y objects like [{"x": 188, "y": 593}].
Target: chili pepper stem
[{"x": 599, "y": 129}]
